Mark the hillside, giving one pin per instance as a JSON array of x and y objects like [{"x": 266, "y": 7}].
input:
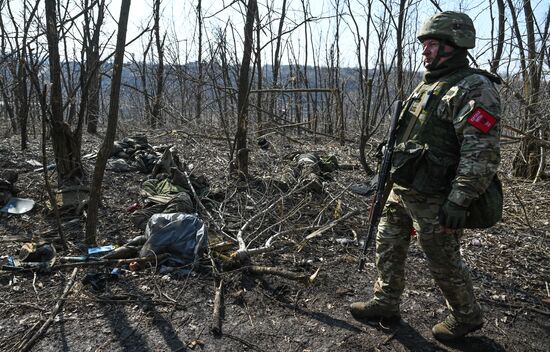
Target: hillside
[{"x": 306, "y": 310}]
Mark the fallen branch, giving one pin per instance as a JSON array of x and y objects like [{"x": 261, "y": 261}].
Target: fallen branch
[
  {"x": 113, "y": 262},
  {"x": 300, "y": 277},
  {"x": 248, "y": 344},
  {"x": 216, "y": 327},
  {"x": 244, "y": 251},
  {"x": 527, "y": 135},
  {"x": 203, "y": 208},
  {"x": 515, "y": 305},
  {"x": 327, "y": 227},
  {"x": 127, "y": 299},
  {"x": 30, "y": 343},
  {"x": 241, "y": 255}
]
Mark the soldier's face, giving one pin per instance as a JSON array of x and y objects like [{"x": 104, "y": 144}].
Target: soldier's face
[{"x": 430, "y": 51}]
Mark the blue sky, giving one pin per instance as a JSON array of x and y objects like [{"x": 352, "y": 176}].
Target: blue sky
[
  {"x": 179, "y": 17},
  {"x": 179, "y": 20}
]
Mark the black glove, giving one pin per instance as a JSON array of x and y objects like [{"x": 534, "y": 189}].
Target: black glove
[{"x": 453, "y": 216}]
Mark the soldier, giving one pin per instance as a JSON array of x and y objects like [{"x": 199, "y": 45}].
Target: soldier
[{"x": 446, "y": 155}]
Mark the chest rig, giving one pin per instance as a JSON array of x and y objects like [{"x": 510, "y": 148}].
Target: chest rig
[{"x": 427, "y": 150}]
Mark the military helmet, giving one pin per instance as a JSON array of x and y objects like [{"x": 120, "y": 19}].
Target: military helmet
[{"x": 454, "y": 27}]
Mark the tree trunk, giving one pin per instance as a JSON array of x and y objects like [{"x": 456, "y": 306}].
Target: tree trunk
[
  {"x": 244, "y": 90},
  {"x": 277, "y": 61},
  {"x": 527, "y": 160},
  {"x": 495, "y": 62},
  {"x": 65, "y": 144},
  {"x": 93, "y": 69},
  {"x": 400, "y": 26},
  {"x": 112, "y": 120},
  {"x": 259, "y": 83},
  {"x": 198, "y": 110},
  {"x": 156, "y": 110}
]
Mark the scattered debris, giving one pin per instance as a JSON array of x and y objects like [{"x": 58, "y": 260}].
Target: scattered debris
[
  {"x": 100, "y": 249},
  {"x": 292, "y": 245},
  {"x": 182, "y": 236},
  {"x": 476, "y": 242},
  {"x": 71, "y": 199},
  {"x": 18, "y": 206}
]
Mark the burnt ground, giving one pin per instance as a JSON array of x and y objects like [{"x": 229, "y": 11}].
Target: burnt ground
[{"x": 147, "y": 311}]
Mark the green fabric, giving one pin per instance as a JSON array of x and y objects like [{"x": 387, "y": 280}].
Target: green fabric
[
  {"x": 155, "y": 187},
  {"x": 404, "y": 209},
  {"x": 328, "y": 163},
  {"x": 427, "y": 158},
  {"x": 486, "y": 210}
]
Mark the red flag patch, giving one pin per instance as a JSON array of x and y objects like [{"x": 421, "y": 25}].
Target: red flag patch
[{"x": 482, "y": 120}]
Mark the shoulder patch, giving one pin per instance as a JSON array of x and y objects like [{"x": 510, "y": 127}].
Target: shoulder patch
[{"x": 482, "y": 120}]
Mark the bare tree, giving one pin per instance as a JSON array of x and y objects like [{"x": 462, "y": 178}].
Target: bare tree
[
  {"x": 65, "y": 143},
  {"x": 158, "y": 98},
  {"x": 259, "y": 74},
  {"x": 19, "y": 113},
  {"x": 365, "y": 84},
  {"x": 277, "y": 59},
  {"x": 495, "y": 62},
  {"x": 528, "y": 158},
  {"x": 107, "y": 145},
  {"x": 244, "y": 90},
  {"x": 91, "y": 47},
  {"x": 198, "y": 110},
  {"x": 399, "y": 30}
]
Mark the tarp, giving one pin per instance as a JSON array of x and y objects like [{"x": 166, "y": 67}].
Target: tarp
[{"x": 183, "y": 236}]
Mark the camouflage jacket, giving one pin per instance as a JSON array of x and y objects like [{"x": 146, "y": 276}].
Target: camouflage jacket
[{"x": 453, "y": 145}]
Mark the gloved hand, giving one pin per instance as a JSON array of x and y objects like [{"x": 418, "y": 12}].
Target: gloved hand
[{"x": 453, "y": 216}]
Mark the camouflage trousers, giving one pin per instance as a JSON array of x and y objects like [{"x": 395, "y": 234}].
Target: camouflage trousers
[{"x": 405, "y": 209}]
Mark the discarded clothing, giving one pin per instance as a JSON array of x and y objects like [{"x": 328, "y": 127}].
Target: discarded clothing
[
  {"x": 131, "y": 154},
  {"x": 183, "y": 236}
]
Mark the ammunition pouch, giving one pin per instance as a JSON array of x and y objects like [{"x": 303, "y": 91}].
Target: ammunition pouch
[
  {"x": 417, "y": 166},
  {"x": 486, "y": 210}
]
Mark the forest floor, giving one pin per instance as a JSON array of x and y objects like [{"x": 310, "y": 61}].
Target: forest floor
[{"x": 147, "y": 311}]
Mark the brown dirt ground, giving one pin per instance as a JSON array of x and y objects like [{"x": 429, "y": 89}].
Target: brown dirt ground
[{"x": 145, "y": 311}]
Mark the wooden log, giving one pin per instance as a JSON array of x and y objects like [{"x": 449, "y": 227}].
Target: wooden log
[{"x": 216, "y": 327}]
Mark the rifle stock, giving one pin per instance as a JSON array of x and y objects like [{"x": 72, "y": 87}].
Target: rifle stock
[{"x": 384, "y": 184}]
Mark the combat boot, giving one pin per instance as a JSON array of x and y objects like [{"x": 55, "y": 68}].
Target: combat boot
[
  {"x": 374, "y": 310},
  {"x": 451, "y": 329}
]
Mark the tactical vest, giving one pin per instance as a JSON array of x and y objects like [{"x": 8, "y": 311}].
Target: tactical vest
[{"x": 427, "y": 151}]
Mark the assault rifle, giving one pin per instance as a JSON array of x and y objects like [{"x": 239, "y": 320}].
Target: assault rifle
[{"x": 384, "y": 184}]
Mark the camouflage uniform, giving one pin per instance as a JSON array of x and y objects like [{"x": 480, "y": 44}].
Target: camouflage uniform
[{"x": 460, "y": 160}]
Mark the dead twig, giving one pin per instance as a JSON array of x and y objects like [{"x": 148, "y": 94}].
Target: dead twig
[
  {"x": 515, "y": 305},
  {"x": 24, "y": 305},
  {"x": 113, "y": 262},
  {"x": 327, "y": 227},
  {"x": 529, "y": 136},
  {"x": 300, "y": 277},
  {"x": 244, "y": 251},
  {"x": 524, "y": 212},
  {"x": 244, "y": 342},
  {"x": 26, "y": 346},
  {"x": 203, "y": 208},
  {"x": 127, "y": 299}
]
